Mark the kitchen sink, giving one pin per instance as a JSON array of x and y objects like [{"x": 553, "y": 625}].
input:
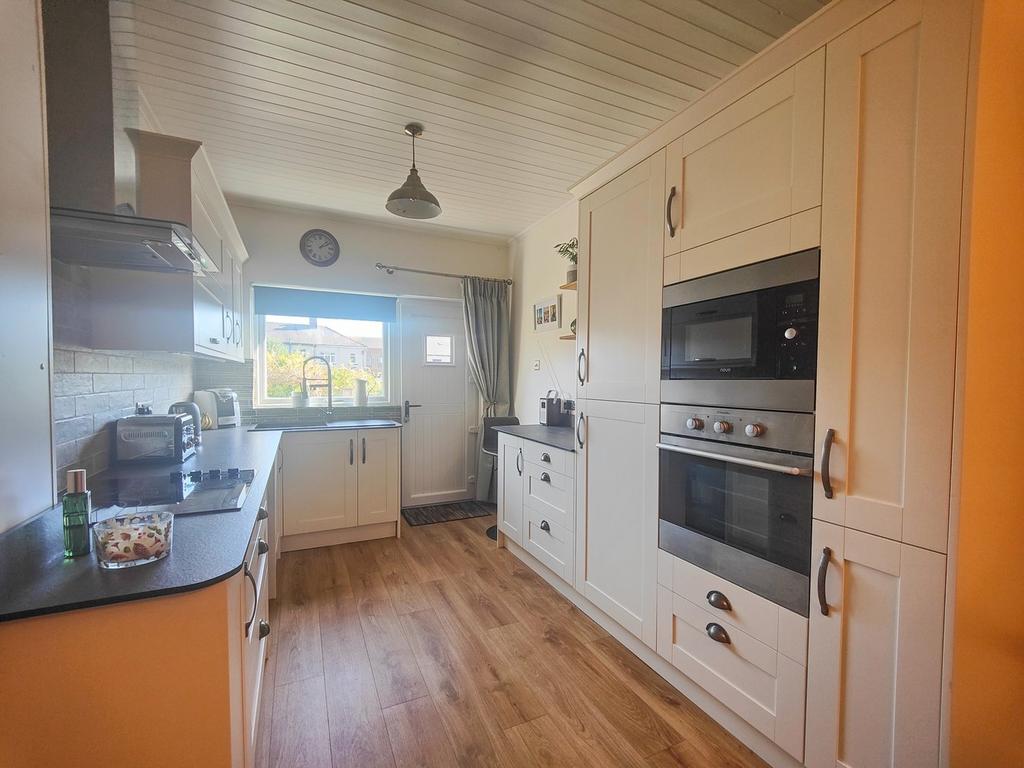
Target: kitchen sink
[{"x": 306, "y": 426}]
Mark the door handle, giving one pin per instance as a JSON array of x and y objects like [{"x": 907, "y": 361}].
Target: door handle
[
  {"x": 407, "y": 406},
  {"x": 826, "y": 458},
  {"x": 364, "y": 450},
  {"x": 351, "y": 451},
  {"x": 255, "y": 600},
  {"x": 826, "y": 556},
  {"x": 580, "y": 438},
  {"x": 717, "y": 633},
  {"x": 668, "y": 212},
  {"x": 519, "y": 458},
  {"x": 581, "y": 367}
]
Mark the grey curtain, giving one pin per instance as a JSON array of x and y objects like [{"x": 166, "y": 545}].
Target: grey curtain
[{"x": 487, "y": 312}]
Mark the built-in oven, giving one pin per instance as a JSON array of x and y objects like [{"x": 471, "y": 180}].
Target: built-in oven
[
  {"x": 745, "y": 338},
  {"x": 735, "y": 496}
]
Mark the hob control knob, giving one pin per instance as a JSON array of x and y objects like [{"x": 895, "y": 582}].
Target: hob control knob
[
  {"x": 791, "y": 333},
  {"x": 694, "y": 423},
  {"x": 754, "y": 430},
  {"x": 723, "y": 427}
]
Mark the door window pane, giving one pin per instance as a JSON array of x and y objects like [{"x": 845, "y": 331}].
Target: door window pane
[{"x": 439, "y": 350}]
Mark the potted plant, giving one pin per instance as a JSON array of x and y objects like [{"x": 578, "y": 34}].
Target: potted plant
[{"x": 569, "y": 250}]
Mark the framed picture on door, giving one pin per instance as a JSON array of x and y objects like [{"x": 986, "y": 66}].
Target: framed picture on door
[{"x": 547, "y": 314}]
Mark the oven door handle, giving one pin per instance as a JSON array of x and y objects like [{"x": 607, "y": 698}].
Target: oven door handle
[{"x": 782, "y": 468}]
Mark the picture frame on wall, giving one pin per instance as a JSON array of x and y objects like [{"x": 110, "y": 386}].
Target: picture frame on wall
[{"x": 547, "y": 314}]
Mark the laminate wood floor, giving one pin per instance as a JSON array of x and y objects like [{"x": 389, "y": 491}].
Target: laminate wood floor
[{"x": 437, "y": 649}]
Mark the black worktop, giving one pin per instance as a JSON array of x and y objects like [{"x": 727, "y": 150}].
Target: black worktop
[
  {"x": 35, "y": 578},
  {"x": 563, "y": 438}
]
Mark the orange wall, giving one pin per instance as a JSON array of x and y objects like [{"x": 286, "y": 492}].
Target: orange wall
[{"x": 988, "y": 652}]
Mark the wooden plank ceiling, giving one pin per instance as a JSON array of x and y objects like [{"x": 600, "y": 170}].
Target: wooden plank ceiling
[{"x": 303, "y": 102}]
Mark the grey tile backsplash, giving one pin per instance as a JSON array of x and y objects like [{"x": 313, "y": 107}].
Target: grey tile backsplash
[{"x": 93, "y": 388}]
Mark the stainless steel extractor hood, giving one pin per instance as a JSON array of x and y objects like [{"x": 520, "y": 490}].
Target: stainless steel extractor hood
[{"x": 111, "y": 240}]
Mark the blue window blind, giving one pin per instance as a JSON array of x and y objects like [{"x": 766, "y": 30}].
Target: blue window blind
[{"x": 297, "y": 302}]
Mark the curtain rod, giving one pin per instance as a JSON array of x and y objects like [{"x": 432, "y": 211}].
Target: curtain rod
[{"x": 391, "y": 270}]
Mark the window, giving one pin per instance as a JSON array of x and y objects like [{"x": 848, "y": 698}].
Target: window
[
  {"x": 356, "y": 349},
  {"x": 438, "y": 350}
]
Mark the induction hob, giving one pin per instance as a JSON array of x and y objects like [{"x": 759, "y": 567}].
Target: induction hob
[{"x": 181, "y": 493}]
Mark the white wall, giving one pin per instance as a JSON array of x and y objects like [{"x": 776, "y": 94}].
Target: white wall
[
  {"x": 538, "y": 271},
  {"x": 271, "y": 236}
]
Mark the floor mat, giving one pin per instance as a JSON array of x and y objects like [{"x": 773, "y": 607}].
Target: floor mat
[{"x": 446, "y": 513}]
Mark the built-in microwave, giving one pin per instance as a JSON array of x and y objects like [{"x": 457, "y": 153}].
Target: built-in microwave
[{"x": 745, "y": 338}]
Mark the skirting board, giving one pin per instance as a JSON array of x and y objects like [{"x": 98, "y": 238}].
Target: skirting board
[
  {"x": 725, "y": 717},
  {"x": 339, "y": 536}
]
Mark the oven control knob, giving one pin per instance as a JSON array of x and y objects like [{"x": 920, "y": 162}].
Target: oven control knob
[
  {"x": 754, "y": 430},
  {"x": 694, "y": 423},
  {"x": 791, "y": 333},
  {"x": 723, "y": 427}
]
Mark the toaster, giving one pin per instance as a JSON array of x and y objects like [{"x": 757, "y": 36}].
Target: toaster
[
  {"x": 219, "y": 407},
  {"x": 150, "y": 437}
]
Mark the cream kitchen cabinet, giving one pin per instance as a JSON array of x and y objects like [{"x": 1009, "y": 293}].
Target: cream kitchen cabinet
[
  {"x": 619, "y": 315},
  {"x": 617, "y": 512},
  {"x": 754, "y": 162},
  {"x": 511, "y": 466},
  {"x": 896, "y": 89},
  {"x": 256, "y": 630},
  {"x": 337, "y": 479},
  {"x": 875, "y": 659}
]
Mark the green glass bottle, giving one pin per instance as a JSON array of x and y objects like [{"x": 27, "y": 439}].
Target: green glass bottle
[{"x": 77, "y": 511}]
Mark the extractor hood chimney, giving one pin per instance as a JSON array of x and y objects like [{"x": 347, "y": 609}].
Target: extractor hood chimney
[{"x": 95, "y": 165}]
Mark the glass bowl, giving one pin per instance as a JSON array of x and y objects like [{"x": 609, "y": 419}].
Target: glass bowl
[{"x": 133, "y": 539}]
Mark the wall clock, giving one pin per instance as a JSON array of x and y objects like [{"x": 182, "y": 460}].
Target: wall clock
[{"x": 319, "y": 247}]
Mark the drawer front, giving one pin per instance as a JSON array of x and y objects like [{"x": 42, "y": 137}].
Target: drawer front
[
  {"x": 761, "y": 685},
  {"x": 549, "y": 542},
  {"x": 550, "y": 493},
  {"x": 550, "y": 459}
]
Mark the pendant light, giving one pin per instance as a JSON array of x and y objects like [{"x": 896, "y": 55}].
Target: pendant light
[{"x": 412, "y": 200}]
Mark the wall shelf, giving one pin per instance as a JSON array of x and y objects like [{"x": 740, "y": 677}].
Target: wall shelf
[
  {"x": 568, "y": 337},
  {"x": 568, "y": 286}
]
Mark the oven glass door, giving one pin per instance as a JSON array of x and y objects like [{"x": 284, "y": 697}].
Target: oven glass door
[{"x": 764, "y": 513}]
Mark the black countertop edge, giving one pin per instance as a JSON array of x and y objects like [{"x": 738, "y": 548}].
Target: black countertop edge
[
  {"x": 36, "y": 580},
  {"x": 563, "y": 438}
]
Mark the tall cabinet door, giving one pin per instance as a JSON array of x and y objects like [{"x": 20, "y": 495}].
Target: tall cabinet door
[
  {"x": 511, "y": 465},
  {"x": 875, "y": 661},
  {"x": 379, "y": 484},
  {"x": 617, "y": 512},
  {"x": 619, "y": 313},
  {"x": 894, "y": 131}
]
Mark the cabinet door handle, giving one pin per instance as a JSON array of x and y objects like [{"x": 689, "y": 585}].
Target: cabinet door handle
[
  {"x": 545, "y": 526},
  {"x": 580, "y": 438},
  {"x": 545, "y": 457},
  {"x": 717, "y": 600},
  {"x": 519, "y": 466},
  {"x": 364, "y": 450},
  {"x": 545, "y": 477},
  {"x": 351, "y": 451},
  {"x": 238, "y": 334},
  {"x": 255, "y": 598},
  {"x": 581, "y": 367},
  {"x": 717, "y": 633},
  {"x": 264, "y": 629},
  {"x": 826, "y": 458},
  {"x": 826, "y": 556},
  {"x": 668, "y": 212}
]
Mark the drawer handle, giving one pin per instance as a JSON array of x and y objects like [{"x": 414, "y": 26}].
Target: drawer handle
[
  {"x": 544, "y": 526},
  {"x": 717, "y": 633},
  {"x": 545, "y": 457},
  {"x": 264, "y": 628},
  {"x": 717, "y": 600},
  {"x": 545, "y": 477},
  {"x": 262, "y": 547},
  {"x": 262, "y": 514}
]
